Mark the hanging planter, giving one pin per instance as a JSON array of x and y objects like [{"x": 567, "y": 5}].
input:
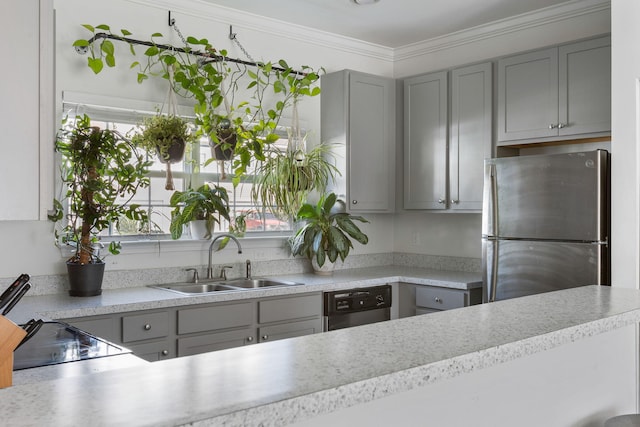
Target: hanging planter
[
  {"x": 166, "y": 134},
  {"x": 224, "y": 143}
]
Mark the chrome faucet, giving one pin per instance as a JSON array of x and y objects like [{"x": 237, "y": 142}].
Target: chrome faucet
[{"x": 220, "y": 236}]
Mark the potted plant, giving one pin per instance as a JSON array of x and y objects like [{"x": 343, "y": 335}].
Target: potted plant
[
  {"x": 101, "y": 170},
  {"x": 167, "y": 136},
  {"x": 326, "y": 233},
  {"x": 201, "y": 208},
  {"x": 285, "y": 179}
]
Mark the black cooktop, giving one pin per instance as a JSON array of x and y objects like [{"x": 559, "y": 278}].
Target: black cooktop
[{"x": 58, "y": 342}]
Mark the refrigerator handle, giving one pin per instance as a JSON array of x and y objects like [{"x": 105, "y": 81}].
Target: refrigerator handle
[
  {"x": 490, "y": 201},
  {"x": 490, "y": 269}
]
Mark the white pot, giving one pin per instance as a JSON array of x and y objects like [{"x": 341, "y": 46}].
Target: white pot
[
  {"x": 325, "y": 270},
  {"x": 198, "y": 229}
]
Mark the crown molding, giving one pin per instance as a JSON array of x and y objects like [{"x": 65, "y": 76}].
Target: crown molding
[
  {"x": 274, "y": 27},
  {"x": 548, "y": 15}
]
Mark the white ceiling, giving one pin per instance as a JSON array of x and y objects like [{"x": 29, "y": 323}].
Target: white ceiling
[{"x": 389, "y": 23}]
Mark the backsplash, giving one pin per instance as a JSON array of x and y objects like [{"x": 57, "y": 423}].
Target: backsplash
[{"x": 55, "y": 284}]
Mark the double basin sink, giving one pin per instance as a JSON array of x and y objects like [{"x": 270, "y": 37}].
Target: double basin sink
[{"x": 225, "y": 285}]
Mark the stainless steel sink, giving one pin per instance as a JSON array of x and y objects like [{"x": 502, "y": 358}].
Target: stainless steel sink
[
  {"x": 196, "y": 288},
  {"x": 258, "y": 283},
  {"x": 227, "y": 285}
]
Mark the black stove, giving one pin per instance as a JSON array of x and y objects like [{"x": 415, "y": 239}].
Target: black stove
[{"x": 58, "y": 342}]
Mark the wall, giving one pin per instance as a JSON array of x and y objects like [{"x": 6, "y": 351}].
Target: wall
[
  {"x": 625, "y": 123},
  {"x": 413, "y": 232},
  {"x": 29, "y": 240},
  {"x": 459, "y": 234}
]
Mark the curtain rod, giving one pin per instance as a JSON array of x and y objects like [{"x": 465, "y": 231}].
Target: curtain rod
[{"x": 211, "y": 58}]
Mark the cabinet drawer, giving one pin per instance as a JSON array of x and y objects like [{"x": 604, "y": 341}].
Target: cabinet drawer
[
  {"x": 289, "y": 308},
  {"x": 289, "y": 330},
  {"x": 215, "y": 317},
  {"x": 155, "y": 351},
  {"x": 145, "y": 326},
  {"x": 440, "y": 298},
  {"x": 188, "y": 346}
]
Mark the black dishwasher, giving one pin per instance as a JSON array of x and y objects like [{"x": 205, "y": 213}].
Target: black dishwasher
[{"x": 355, "y": 307}]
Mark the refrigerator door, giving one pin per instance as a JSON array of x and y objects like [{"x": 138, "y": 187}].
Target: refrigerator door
[
  {"x": 514, "y": 268},
  {"x": 548, "y": 197}
]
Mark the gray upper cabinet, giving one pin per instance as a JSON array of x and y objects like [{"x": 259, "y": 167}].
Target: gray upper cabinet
[
  {"x": 447, "y": 137},
  {"x": 425, "y": 141},
  {"x": 470, "y": 137},
  {"x": 557, "y": 93},
  {"x": 358, "y": 114}
]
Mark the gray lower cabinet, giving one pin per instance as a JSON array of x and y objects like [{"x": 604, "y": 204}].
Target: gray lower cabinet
[
  {"x": 557, "y": 93},
  {"x": 289, "y": 330},
  {"x": 431, "y": 299},
  {"x": 182, "y": 331},
  {"x": 447, "y": 136},
  {"x": 205, "y": 343},
  {"x": 358, "y": 115}
]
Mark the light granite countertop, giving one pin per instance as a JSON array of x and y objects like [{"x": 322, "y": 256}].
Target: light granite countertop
[
  {"x": 61, "y": 306},
  {"x": 285, "y": 381}
]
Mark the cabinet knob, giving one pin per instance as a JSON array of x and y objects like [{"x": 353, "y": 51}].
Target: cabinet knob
[
  {"x": 553, "y": 126},
  {"x": 147, "y": 327},
  {"x": 438, "y": 300},
  {"x": 265, "y": 337},
  {"x": 454, "y": 201},
  {"x": 249, "y": 339},
  {"x": 165, "y": 352},
  {"x": 354, "y": 202},
  {"x": 441, "y": 201},
  {"x": 561, "y": 125}
]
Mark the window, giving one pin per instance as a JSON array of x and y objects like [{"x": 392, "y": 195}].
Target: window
[{"x": 186, "y": 174}]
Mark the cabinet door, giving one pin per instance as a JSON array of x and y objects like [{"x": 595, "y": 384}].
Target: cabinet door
[
  {"x": 144, "y": 326},
  {"x": 528, "y": 95},
  {"x": 155, "y": 351},
  {"x": 585, "y": 87},
  {"x": 470, "y": 135},
  {"x": 276, "y": 310},
  {"x": 188, "y": 346},
  {"x": 290, "y": 330},
  {"x": 371, "y": 172},
  {"x": 106, "y": 327},
  {"x": 425, "y": 141},
  {"x": 20, "y": 118},
  {"x": 209, "y": 318}
]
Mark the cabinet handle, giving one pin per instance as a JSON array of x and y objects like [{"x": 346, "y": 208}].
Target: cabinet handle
[
  {"x": 552, "y": 126},
  {"x": 561, "y": 125},
  {"x": 441, "y": 201},
  {"x": 454, "y": 201},
  {"x": 147, "y": 327},
  {"x": 249, "y": 339},
  {"x": 354, "y": 202},
  {"x": 438, "y": 300},
  {"x": 265, "y": 337},
  {"x": 165, "y": 352}
]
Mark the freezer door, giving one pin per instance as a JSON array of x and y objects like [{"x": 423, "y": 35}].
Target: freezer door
[
  {"x": 559, "y": 197},
  {"x": 514, "y": 268}
]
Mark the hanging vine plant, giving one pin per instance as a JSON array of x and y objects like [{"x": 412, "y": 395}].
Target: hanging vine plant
[{"x": 204, "y": 74}]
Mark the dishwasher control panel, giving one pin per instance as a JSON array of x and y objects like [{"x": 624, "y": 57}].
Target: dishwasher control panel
[{"x": 354, "y": 300}]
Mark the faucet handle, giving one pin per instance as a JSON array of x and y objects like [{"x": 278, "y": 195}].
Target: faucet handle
[
  {"x": 223, "y": 271},
  {"x": 195, "y": 274}
]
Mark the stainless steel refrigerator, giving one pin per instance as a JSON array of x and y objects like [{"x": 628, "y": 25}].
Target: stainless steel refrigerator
[{"x": 545, "y": 223}]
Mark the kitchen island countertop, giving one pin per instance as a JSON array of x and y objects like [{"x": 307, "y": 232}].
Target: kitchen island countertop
[{"x": 292, "y": 380}]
